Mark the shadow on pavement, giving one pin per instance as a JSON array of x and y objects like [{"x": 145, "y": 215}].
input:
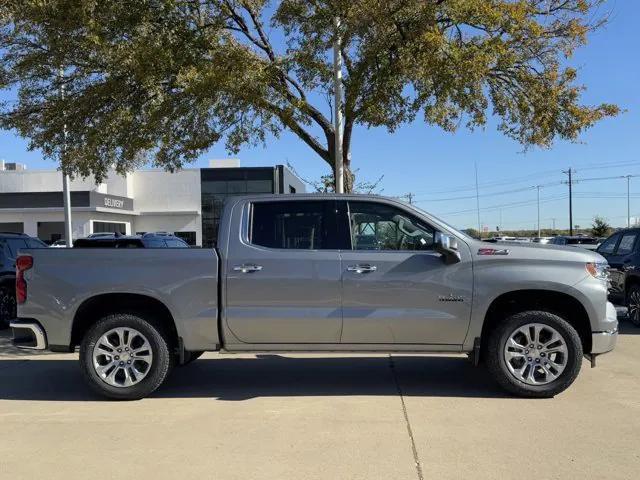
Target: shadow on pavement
[{"x": 234, "y": 379}]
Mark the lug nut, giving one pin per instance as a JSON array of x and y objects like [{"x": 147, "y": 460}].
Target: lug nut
[
  {"x": 127, "y": 349},
  {"x": 119, "y": 350},
  {"x": 128, "y": 361},
  {"x": 526, "y": 351},
  {"x": 537, "y": 360},
  {"x": 117, "y": 357},
  {"x": 542, "y": 354},
  {"x": 529, "y": 358},
  {"x": 121, "y": 363},
  {"x": 539, "y": 347},
  {"x": 531, "y": 346}
]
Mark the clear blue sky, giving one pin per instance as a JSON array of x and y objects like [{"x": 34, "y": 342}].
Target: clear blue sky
[{"x": 438, "y": 167}]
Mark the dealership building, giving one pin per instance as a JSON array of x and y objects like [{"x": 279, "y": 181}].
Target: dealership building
[{"x": 187, "y": 202}]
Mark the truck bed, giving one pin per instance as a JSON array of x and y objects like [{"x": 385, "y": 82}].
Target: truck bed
[{"x": 184, "y": 280}]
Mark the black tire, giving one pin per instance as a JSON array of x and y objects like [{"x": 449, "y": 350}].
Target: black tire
[
  {"x": 158, "y": 370},
  {"x": 497, "y": 364},
  {"x": 633, "y": 296},
  {"x": 7, "y": 304},
  {"x": 190, "y": 357}
]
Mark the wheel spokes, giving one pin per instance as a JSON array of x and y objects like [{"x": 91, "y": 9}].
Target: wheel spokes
[
  {"x": 122, "y": 357},
  {"x": 539, "y": 362}
]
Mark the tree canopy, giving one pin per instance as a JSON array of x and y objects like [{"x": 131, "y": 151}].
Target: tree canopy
[{"x": 165, "y": 80}]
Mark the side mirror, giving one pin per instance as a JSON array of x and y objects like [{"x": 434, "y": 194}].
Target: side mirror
[{"x": 447, "y": 246}]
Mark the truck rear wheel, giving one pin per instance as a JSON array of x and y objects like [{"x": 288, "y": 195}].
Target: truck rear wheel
[
  {"x": 125, "y": 357},
  {"x": 534, "y": 354}
]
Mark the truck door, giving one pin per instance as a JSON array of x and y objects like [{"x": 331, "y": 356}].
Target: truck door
[
  {"x": 283, "y": 274},
  {"x": 396, "y": 288}
]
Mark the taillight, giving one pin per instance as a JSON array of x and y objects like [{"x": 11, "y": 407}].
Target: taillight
[{"x": 23, "y": 263}]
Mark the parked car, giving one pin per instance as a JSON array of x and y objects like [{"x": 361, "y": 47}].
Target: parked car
[
  {"x": 588, "y": 243},
  {"x": 319, "y": 273},
  {"x": 542, "y": 240},
  {"x": 10, "y": 244},
  {"x": 622, "y": 251},
  {"x": 62, "y": 243},
  {"x": 148, "y": 240}
]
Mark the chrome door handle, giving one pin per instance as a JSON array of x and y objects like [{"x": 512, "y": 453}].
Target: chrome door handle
[
  {"x": 364, "y": 268},
  {"x": 246, "y": 268}
]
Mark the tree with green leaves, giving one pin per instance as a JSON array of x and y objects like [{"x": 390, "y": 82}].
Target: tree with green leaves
[
  {"x": 162, "y": 81},
  {"x": 600, "y": 227}
]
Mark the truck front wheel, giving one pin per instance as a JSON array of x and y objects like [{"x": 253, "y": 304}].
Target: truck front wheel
[
  {"x": 125, "y": 357},
  {"x": 534, "y": 354}
]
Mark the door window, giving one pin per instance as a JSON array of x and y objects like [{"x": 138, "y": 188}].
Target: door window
[
  {"x": 297, "y": 225},
  {"x": 609, "y": 245},
  {"x": 626, "y": 244},
  {"x": 376, "y": 226}
]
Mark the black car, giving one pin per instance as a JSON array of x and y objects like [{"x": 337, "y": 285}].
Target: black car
[
  {"x": 10, "y": 243},
  {"x": 148, "y": 240},
  {"x": 622, "y": 251}
]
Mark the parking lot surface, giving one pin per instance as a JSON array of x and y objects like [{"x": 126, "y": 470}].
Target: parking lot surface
[{"x": 313, "y": 417}]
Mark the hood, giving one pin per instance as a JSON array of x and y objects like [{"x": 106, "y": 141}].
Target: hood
[{"x": 537, "y": 251}]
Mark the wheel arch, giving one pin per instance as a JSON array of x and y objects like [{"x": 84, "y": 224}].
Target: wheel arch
[
  {"x": 96, "y": 307},
  {"x": 559, "y": 303}
]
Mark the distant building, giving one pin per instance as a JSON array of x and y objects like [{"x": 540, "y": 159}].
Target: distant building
[
  {"x": 187, "y": 203},
  {"x": 12, "y": 167}
]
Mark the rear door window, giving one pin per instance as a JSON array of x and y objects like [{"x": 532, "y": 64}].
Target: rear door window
[
  {"x": 627, "y": 242},
  {"x": 294, "y": 225}
]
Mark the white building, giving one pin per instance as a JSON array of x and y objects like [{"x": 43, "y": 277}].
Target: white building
[{"x": 187, "y": 202}]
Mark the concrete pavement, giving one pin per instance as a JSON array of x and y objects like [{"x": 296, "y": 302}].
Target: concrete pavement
[{"x": 313, "y": 417}]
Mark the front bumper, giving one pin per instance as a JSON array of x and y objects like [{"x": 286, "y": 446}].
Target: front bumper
[
  {"x": 28, "y": 334},
  {"x": 604, "y": 341}
]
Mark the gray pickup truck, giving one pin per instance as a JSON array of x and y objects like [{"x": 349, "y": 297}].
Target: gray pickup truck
[{"x": 319, "y": 273}]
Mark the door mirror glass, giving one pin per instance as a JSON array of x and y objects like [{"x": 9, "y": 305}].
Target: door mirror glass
[{"x": 447, "y": 246}]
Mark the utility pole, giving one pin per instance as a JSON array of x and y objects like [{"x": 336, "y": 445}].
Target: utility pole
[
  {"x": 409, "y": 197},
  {"x": 538, "y": 188},
  {"x": 554, "y": 224},
  {"x": 337, "y": 89},
  {"x": 570, "y": 172},
  {"x": 66, "y": 193},
  {"x": 628, "y": 203},
  {"x": 478, "y": 203}
]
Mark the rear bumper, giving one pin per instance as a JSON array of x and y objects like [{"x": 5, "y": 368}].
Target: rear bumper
[
  {"x": 28, "y": 334},
  {"x": 604, "y": 341}
]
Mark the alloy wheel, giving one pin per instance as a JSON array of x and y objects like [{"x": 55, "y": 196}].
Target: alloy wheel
[
  {"x": 122, "y": 357},
  {"x": 536, "y": 354},
  {"x": 634, "y": 306}
]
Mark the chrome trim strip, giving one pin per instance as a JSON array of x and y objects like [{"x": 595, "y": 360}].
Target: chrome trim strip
[{"x": 38, "y": 333}]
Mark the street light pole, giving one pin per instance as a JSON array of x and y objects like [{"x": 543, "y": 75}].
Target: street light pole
[
  {"x": 337, "y": 89},
  {"x": 570, "y": 182},
  {"x": 66, "y": 191},
  {"x": 538, "y": 188},
  {"x": 628, "y": 203}
]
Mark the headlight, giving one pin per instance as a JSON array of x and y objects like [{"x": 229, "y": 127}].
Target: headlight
[{"x": 598, "y": 270}]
